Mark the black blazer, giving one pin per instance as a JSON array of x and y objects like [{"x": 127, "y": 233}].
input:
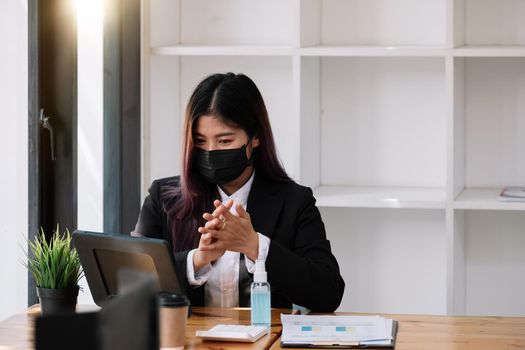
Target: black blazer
[{"x": 301, "y": 267}]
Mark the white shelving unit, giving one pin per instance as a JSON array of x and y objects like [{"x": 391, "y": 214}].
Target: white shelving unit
[{"x": 406, "y": 118}]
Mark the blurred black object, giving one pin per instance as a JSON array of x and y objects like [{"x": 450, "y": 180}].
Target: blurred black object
[{"x": 128, "y": 321}]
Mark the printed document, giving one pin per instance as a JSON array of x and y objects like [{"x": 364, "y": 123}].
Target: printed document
[{"x": 306, "y": 329}]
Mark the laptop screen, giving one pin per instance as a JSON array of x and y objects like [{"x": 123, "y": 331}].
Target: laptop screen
[{"x": 103, "y": 256}]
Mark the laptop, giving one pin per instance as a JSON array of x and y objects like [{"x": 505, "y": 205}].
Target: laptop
[{"x": 103, "y": 256}]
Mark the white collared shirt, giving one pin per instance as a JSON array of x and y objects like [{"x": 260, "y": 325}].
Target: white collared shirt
[{"x": 222, "y": 277}]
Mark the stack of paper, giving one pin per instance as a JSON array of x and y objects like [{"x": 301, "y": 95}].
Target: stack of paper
[
  {"x": 512, "y": 194},
  {"x": 337, "y": 331}
]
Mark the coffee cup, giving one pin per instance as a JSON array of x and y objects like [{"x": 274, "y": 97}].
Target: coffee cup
[{"x": 173, "y": 314}]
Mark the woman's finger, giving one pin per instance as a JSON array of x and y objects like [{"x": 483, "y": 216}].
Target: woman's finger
[
  {"x": 215, "y": 246},
  {"x": 221, "y": 208},
  {"x": 205, "y": 230},
  {"x": 225, "y": 212},
  {"x": 214, "y": 233},
  {"x": 208, "y": 216},
  {"x": 208, "y": 248},
  {"x": 214, "y": 224},
  {"x": 241, "y": 212},
  {"x": 206, "y": 238},
  {"x": 228, "y": 204}
]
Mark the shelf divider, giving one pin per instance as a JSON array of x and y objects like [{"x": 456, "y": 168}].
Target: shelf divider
[{"x": 380, "y": 197}]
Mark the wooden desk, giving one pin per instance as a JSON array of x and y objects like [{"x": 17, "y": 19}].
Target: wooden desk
[
  {"x": 16, "y": 332},
  {"x": 415, "y": 332},
  {"x": 205, "y": 318}
]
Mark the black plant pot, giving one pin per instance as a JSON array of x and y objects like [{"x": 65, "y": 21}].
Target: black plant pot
[{"x": 57, "y": 301}]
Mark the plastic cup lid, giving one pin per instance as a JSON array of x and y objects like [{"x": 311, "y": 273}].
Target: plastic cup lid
[{"x": 172, "y": 300}]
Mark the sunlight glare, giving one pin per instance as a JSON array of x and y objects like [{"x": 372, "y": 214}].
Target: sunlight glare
[{"x": 89, "y": 15}]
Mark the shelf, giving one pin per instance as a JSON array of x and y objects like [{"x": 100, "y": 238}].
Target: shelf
[
  {"x": 379, "y": 51},
  {"x": 284, "y": 50},
  {"x": 380, "y": 197},
  {"x": 489, "y": 51},
  {"x": 388, "y": 105},
  {"x": 484, "y": 199},
  {"x": 223, "y": 50},
  {"x": 343, "y": 51}
]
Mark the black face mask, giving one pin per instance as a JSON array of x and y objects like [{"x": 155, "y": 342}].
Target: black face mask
[{"x": 221, "y": 166}]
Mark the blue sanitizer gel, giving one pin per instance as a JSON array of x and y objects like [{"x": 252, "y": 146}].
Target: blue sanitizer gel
[{"x": 260, "y": 297}]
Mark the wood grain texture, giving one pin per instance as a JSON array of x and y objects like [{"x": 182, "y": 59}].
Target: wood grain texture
[
  {"x": 418, "y": 332},
  {"x": 16, "y": 332},
  {"x": 415, "y": 331}
]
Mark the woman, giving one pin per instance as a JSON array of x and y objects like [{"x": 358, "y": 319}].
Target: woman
[{"x": 234, "y": 204}]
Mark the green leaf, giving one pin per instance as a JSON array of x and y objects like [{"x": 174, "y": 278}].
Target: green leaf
[{"x": 54, "y": 264}]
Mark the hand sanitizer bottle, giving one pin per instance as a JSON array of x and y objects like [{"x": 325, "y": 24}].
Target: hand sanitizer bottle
[{"x": 260, "y": 297}]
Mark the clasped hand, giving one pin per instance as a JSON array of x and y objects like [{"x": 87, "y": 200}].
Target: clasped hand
[{"x": 225, "y": 231}]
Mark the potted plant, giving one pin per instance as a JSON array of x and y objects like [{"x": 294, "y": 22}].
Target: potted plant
[{"x": 56, "y": 268}]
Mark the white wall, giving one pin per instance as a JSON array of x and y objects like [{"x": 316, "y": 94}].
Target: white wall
[{"x": 13, "y": 155}]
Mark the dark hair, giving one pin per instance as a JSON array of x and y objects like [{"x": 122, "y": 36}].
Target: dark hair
[{"x": 236, "y": 101}]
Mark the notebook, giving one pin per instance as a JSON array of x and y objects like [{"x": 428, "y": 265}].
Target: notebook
[{"x": 341, "y": 332}]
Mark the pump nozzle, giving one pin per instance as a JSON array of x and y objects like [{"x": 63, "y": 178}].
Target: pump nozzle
[{"x": 260, "y": 272}]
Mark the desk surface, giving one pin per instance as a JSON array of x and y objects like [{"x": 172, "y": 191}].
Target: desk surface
[
  {"x": 418, "y": 332},
  {"x": 415, "y": 331},
  {"x": 16, "y": 332}
]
